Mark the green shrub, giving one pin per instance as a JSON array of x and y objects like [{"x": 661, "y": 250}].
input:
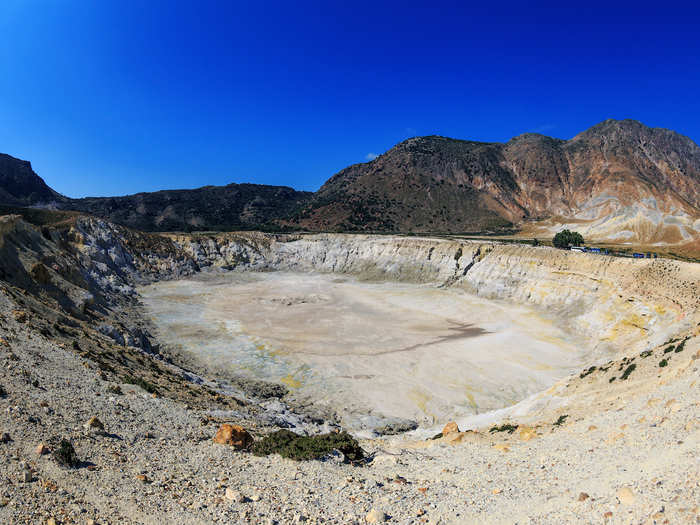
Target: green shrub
[
  {"x": 627, "y": 372},
  {"x": 303, "y": 448},
  {"x": 669, "y": 349},
  {"x": 663, "y": 363},
  {"x": 612, "y": 379},
  {"x": 587, "y": 372},
  {"x": 560, "y": 421},
  {"x": 681, "y": 345},
  {"x": 646, "y": 353},
  {"x": 506, "y": 427}
]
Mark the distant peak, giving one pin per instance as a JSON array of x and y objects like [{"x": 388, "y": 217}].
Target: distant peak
[
  {"x": 614, "y": 125},
  {"x": 533, "y": 137}
]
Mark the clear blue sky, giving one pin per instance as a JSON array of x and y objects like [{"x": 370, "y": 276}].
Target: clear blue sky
[{"x": 111, "y": 97}]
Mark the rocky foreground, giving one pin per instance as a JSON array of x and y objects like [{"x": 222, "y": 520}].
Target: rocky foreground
[{"x": 100, "y": 424}]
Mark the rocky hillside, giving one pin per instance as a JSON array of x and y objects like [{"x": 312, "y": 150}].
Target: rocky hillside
[
  {"x": 619, "y": 180},
  {"x": 20, "y": 186},
  {"x": 231, "y": 207}
]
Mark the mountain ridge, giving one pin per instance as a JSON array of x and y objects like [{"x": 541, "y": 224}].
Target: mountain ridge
[{"x": 619, "y": 180}]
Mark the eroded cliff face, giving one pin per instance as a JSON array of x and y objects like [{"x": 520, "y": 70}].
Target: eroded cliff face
[{"x": 615, "y": 302}]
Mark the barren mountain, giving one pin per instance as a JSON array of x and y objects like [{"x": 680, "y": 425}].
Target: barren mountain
[{"x": 619, "y": 180}]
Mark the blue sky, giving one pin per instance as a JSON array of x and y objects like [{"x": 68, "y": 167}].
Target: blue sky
[{"x": 114, "y": 97}]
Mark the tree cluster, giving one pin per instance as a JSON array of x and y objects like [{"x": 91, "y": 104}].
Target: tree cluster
[{"x": 565, "y": 239}]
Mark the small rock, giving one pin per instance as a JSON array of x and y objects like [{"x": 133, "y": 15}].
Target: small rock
[
  {"x": 234, "y": 495},
  {"x": 255, "y": 496},
  {"x": 5, "y": 437},
  {"x": 50, "y": 521},
  {"x": 143, "y": 478},
  {"x": 501, "y": 447},
  {"x": 376, "y": 516},
  {"x": 626, "y": 496},
  {"x": 27, "y": 476},
  {"x": 94, "y": 424},
  {"x": 42, "y": 449},
  {"x": 449, "y": 428},
  {"x": 497, "y": 491},
  {"x": 607, "y": 515},
  {"x": 583, "y": 496},
  {"x": 20, "y": 316},
  {"x": 233, "y": 435}
]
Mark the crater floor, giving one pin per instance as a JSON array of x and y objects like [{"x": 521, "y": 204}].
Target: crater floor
[{"x": 370, "y": 351}]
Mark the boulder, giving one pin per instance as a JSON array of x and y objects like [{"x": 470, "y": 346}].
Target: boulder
[
  {"x": 449, "y": 428},
  {"x": 233, "y": 435}
]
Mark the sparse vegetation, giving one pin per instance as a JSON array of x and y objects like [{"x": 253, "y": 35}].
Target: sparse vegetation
[
  {"x": 587, "y": 372},
  {"x": 65, "y": 455},
  {"x": 303, "y": 448},
  {"x": 646, "y": 353},
  {"x": 669, "y": 349},
  {"x": 566, "y": 238},
  {"x": 612, "y": 379},
  {"x": 139, "y": 381},
  {"x": 437, "y": 436},
  {"x": 560, "y": 421},
  {"x": 663, "y": 363},
  {"x": 506, "y": 427},
  {"x": 627, "y": 372}
]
